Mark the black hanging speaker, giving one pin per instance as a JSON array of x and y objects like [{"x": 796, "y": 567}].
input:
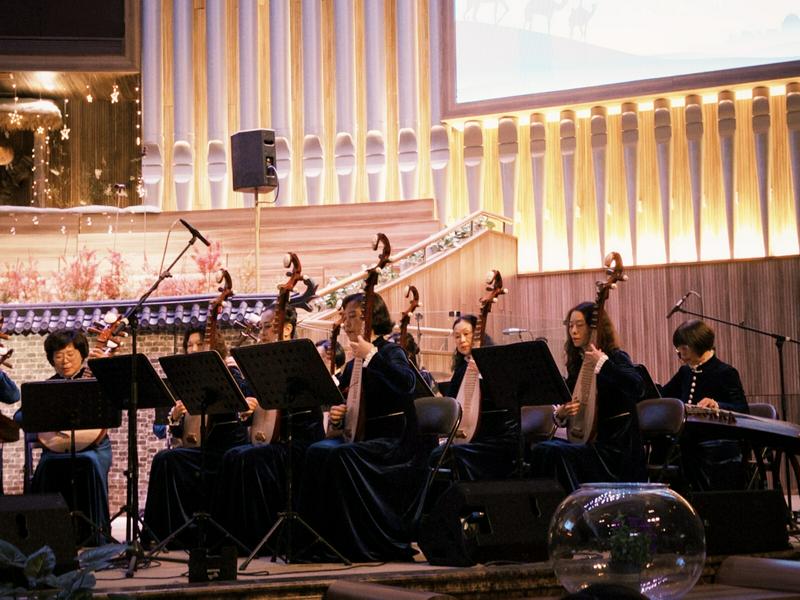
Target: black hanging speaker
[
  {"x": 253, "y": 161},
  {"x": 35, "y": 520},
  {"x": 484, "y": 521},
  {"x": 743, "y": 521}
]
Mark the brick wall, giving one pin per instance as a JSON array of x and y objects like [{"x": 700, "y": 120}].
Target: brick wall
[{"x": 30, "y": 364}]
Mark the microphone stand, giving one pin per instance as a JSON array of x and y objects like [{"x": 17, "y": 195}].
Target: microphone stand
[
  {"x": 132, "y": 532},
  {"x": 780, "y": 340}
]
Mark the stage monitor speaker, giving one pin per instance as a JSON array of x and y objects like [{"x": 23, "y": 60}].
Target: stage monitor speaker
[
  {"x": 743, "y": 521},
  {"x": 485, "y": 521},
  {"x": 35, "y": 520},
  {"x": 253, "y": 161}
]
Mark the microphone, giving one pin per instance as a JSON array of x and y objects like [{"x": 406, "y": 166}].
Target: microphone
[
  {"x": 514, "y": 330},
  {"x": 194, "y": 232},
  {"x": 680, "y": 302}
]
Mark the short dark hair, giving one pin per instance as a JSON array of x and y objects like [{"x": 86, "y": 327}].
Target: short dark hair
[
  {"x": 291, "y": 317},
  {"x": 338, "y": 354},
  {"x": 695, "y": 334},
  {"x": 382, "y": 323},
  {"x": 60, "y": 339}
]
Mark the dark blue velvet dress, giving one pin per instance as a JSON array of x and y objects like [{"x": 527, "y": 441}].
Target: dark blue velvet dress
[
  {"x": 53, "y": 475},
  {"x": 175, "y": 490},
  {"x": 492, "y": 453},
  {"x": 252, "y": 484},
  {"x": 360, "y": 496},
  {"x": 616, "y": 454},
  {"x": 9, "y": 394}
]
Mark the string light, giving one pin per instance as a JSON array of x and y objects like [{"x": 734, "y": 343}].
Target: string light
[{"x": 115, "y": 94}]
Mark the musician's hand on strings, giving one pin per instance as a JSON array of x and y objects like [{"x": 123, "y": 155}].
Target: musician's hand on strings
[
  {"x": 361, "y": 348},
  {"x": 97, "y": 353},
  {"x": 708, "y": 403},
  {"x": 252, "y": 404},
  {"x": 177, "y": 411},
  {"x": 570, "y": 409},
  {"x": 337, "y": 413},
  {"x": 230, "y": 362},
  {"x": 593, "y": 355}
]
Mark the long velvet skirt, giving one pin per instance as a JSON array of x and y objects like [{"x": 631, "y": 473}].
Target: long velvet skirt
[
  {"x": 492, "y": 454},
  {"x": 54, "y": 473},
  {"x": 176, "y": 491},
  {"x": 252, "y": 488},
  {"x": 360, "y": 496}
]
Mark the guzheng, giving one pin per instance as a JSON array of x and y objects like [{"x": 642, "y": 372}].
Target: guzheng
[{"x": 708, "y": 423}]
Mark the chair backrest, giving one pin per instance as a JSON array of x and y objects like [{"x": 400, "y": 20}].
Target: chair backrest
[
  {"x": 537, "y": 422},
  {"x": 437, "y": 415},
  {"x": 764, "y": 410},
  {"x": 660, "y": 416}
]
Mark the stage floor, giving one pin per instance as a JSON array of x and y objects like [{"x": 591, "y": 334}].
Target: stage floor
[{"x": 266, "y": 579}]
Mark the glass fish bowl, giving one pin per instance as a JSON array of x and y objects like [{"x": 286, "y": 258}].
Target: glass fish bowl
[{"x": 643, "y": 536}]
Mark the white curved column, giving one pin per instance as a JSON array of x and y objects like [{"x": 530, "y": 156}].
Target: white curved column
[
  {"x": 598, "y": 128},
  {"x": 761, "y": 124},
  {"x": 538, "y": 145},
  {"x": 313, "y": 161},
  {"x": 793, "y": 126},
  {"x": 376, "y": 99},
  {"x": 152, "y": 125},
  {"x": 344, "y": 151},
  {"x": 630, "y": 148},
  {"x": 473, "y": 163},
  {"x": 440, "y": 146},
  {"x": 280, "y": 93},
  {"x": 694, "y": 137},
  {"x": 217, "y": 101},
  {"x": 568, "y": 147},
  {"x": 183, "y": 94},
  {"x": 408, "y": 155},
  {"x": 726, "y": 126},
  {"x": 663, "y": 133},
  {"x": 507, "y": 150}
]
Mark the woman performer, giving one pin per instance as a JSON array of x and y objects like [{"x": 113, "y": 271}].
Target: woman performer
[
  {"x": 66, "y": 351},
  {"x": 174, "y": 492},
  {"x": 704, "y": 380},
  {"x": 492, "y": 453},
  {"x": 251, "y": 487},
  {"x": 357, "y": 494},
  {"x": 616, "y": 454}
]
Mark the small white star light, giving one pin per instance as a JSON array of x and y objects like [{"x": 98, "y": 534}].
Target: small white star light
[
  {"x": 40, "y": 130},
  {"x": 65, "y": 133},
  {"x": 115, "y": 94}
]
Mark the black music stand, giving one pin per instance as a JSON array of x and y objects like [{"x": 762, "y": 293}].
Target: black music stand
[
  {"x": 114, "y": 376},
  {"x": 70, "y": 405},
  {"x": 521, "y": 374},
  {"x": 292, "y": 377},
  {"x": 206, "y": 387}
]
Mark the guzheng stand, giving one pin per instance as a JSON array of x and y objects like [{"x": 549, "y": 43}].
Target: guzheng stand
[
  {"x": 70, "y": 405},
  {"x": 114, "y": 376},
  {"x": 780, "y": 340},
  {"x": 206, "y": 387},
  {"x": 289, "y": 376},
  {"x": 521, "y": 374}
]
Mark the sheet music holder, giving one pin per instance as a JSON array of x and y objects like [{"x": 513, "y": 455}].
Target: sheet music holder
[
  {"x": 288, "y": 375},
  {"x": 650, "y": 388},
  {"x": 203, "y": 383},
  {"x": 521, "y": 374},
  {"x": 291, "y": 376},
  {"x": 69, "y": 405},
  {"x": 114, "y": 376}
]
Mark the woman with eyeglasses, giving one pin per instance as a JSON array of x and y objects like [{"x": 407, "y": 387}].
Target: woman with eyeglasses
[
  {"x": 616, "y": 454},
  {"x": 705, "y": 381}
]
